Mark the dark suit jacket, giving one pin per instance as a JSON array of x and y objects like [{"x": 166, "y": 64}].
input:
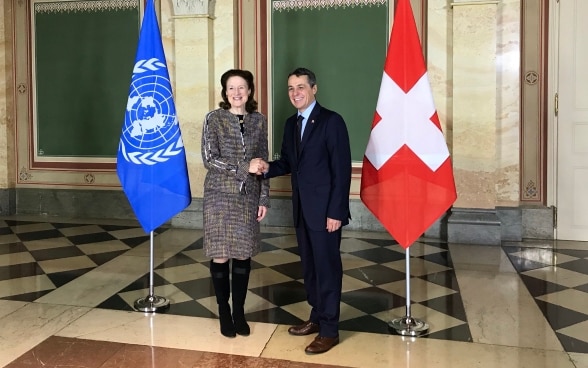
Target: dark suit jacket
[{"x": 321, "y": 171}]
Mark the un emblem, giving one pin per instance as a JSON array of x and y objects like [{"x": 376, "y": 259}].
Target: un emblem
[{"x": 151, "y": 133}]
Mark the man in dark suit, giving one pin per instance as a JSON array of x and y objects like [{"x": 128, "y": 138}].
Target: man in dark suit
[{"x": 320, "y": 168}]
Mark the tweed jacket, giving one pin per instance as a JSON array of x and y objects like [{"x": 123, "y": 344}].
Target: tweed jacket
[{"x": 226, "y": 153}]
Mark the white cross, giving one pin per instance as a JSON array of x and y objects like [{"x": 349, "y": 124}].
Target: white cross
[{"x": 406, "y": 119}]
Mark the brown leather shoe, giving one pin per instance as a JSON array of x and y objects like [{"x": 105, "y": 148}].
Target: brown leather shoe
[
  {"x": 321, "y": 344},
  {"x": 304, "y": 329}
]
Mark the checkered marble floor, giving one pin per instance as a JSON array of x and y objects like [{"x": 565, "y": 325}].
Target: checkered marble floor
[{"x": 40, "y": 259}]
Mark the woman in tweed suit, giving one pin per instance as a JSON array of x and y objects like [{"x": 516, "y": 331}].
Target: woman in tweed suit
[{"x": 235, "y": 199}]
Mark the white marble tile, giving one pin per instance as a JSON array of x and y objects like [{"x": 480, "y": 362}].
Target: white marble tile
[
  {"x": 286, "y": 241},
  {"x": 418, "y": 266},
  {"x": 266, "y": 276},
  {"x": 580, "y": 360},
  {"x": 31, "y": 324},
  {"x": 66, "y": 264},
  {"x": 47, "y": 244},
  {"x": 167, "y": 331},
  {"x": 358, "y": 349},
  {"x": 99, "y": 284},
  {"x": 350, "y": 262},
  {"x": 9, "y": 238},
  {"x": 570, "y": 298},
  {"x": 103, "y": 247},
  {"x": 197, "y": 255},
  {"x": 9, "y": 306},
  {"x": 546, "y": 256},
  {"x": 495, "y": 300},
  {"x": 300, "y": 310},
  {"x": 420, "y": 289},
  {"x": 24, "y": 285},
  {"x": 419, "y": 249},
  {"x": 351, "y": 283},
  {"x": 480, "y": 258},
  {"x": 577, "y": 331},
  {"x": 558, "y": 275},
  {"x": 184, "y": 273},
  {"x": 81, "y": 230},
  {"x": 27, "y": 228},
  {"x": 130, "y": 233},
  {"x": 16, "y": 258},
  {"x": 354, "y": 245},
  {"x": 276, "y": 257}
]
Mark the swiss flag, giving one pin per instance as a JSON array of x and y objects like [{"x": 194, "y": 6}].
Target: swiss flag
[{"x": 407, "y": 178}]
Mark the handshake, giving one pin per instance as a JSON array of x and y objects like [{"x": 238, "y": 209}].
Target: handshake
[{"x": 258, "y": 166}]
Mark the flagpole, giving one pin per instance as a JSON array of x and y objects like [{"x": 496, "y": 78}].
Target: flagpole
[
  {"x": 407, "y": 325},
  {"x": 151, "y": 303}
]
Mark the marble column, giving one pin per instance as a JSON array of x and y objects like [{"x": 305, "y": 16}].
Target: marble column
[
  {"x": 194, "y": 77},
  {"x": 7, "y": 127},
  {"x": 475, "y": 122}
]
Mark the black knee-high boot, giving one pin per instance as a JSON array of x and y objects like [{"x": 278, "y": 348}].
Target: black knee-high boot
[
  {"x": 240, "y": 280},
  {"x": 222, "y": 289}
]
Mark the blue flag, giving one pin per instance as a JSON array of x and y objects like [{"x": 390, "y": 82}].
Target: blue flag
[{"x": 151, "y": 161}]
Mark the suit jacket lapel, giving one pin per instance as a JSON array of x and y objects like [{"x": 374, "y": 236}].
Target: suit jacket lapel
[{"x": 309, "y": 128}]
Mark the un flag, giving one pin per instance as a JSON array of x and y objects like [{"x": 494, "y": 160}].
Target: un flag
[{"x": 151, "y": 160}]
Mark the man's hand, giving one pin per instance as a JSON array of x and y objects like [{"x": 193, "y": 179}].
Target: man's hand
[{"x": 333, "y": 225}]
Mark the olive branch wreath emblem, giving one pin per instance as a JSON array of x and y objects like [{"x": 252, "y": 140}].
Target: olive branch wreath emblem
[{"x": 164, "y": 154}]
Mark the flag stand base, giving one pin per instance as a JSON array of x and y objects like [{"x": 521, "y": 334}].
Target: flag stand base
[
  {"x": 152, "y": 304},
  {"x": 408, "y": 326}
]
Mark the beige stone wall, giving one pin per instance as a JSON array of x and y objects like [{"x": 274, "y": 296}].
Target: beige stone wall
[{"x": 473, "y": 62}]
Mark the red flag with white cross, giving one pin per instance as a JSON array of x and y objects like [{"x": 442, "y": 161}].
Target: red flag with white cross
[{"x": 407, "y": 178}]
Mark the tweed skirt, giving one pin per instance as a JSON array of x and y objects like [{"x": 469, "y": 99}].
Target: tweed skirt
[{"x": 231, "y": 229}]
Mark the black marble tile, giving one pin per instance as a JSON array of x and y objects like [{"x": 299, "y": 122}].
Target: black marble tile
[
  {"x": 28, "y": 297},
  {"x": 143, "y": 282},
  {"x": 20, "y": 270},
  {"x": 175, "y": 261},
  {"x": 56, "y": 253},
  {"x": 119, "y": 227},
  {"x": 560, "y": 317},
  {"x": 365, "y": 324},
  {"x": 38, "y": 235},
  {"x": 12, "y": 248},
  {"x": 61, "y": 278},
  {"x": 379, "y": 255},
  {"x": 282, "y": 294},
  {"x": 197, "y": 289},
  {"x": 578, "y": 253},
  {"x": 266, "y": 247},
  {"x": 444, "y": 278},
  {"x": 538, "y": 287},
  {"x": 5, "y": 231},
  {"x": 372, "y": 300},
  {"x": 292, "y": 270},
  {"x": 102, "y": 258},
  {"x": 572, "y": 345},
  {"x": 380, "y": 242},
  {"x": 63, "y": 225},
  {"x": 457, "y": 333},
  {"x": 442, "y": 258},
  {"x": 20, "y": 222},
  {"x": 583, "y": 288},
  {"x": 273, "y": 315},
  {"x": 451, "y": 305},
  {"x": 293, "y": 250},
  {"x": 523, "y": 264},
  {"x": 190, "y": 308},
  {"x": 115, "y": 302},
  {"x": 435, "y": 243},
  {"x": 133, "y": 242},
  {"x": 579, "y": 265},
  {"x": 376, "y": 274},
  {"x": 90, "y": 238},
  {"x": 198, "y": 244}
]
